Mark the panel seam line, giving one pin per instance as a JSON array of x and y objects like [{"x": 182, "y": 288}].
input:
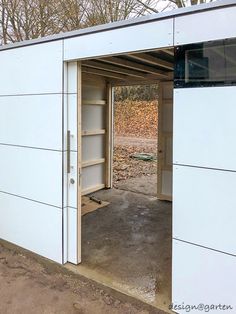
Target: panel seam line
[
  {"x": 207, "y": 168},
  {"x": 205, "y": 247},
  {"x": 29, "y": 199}
]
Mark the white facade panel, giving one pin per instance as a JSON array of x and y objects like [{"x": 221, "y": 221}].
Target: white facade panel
[
  {"x": 194, "y": 28},
  {"x": 202, "y": 277},
  {"x": 32, "y": 173},
  {"x": 154, "y": 35},
  {"x": 34, "y": 226},
  {"x": 71, "y": 78},
  {"x": 34, "y": 121},
  {"x": 204, "y": 127},
  {"x": 72, "y": 243},
  {"x": 33, "y": 69},
  {"x": 72, "y": 181},
  {"x": 204, "y": 207}
]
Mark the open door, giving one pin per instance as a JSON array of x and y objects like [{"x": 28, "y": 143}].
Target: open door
[
  {"x": 165, "y": 140},
  {"x": 96, "y": 139},
  {"x": 88, "y": 155}
]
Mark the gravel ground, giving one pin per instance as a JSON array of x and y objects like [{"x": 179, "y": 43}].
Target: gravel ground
[{"x": 124, "y": 166}]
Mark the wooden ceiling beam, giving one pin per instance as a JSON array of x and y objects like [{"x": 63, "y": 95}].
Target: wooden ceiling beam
[
  {"x": 137, "y": 66},
  {"x": 170, "y": 52},
  {"x": 118, "y": 76},
  {"x": 152, "y": 60},
  {"x": 113, "y": 68}
]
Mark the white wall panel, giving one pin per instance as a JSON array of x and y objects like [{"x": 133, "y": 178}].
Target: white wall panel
[
  {"x": 33, "y": 69},
  {"x": 32, "y": 173},
  {"x": 204, "y": 207},
  {"x": 94, "y": 89},
  {"x": 71, "y": 123},
  {"x": 204, "y": 127},
  {"x": 93, "y": 147},
  {"x": 72, "y": 240},
  {"x": 34, "y": 226},
  {"x": 92, "y": 176},
  {"x": 154, "y": 35},
  {"x": 93, "y": 117},
  {"x": 34, "y": 121},
  {"x": 71, "y": 78},
  {"x": 70, "y": 179},
  {"x": 202, "y": 276},
  {"x": 72, "y": 185},
  {"x": 195, "y": 28}
]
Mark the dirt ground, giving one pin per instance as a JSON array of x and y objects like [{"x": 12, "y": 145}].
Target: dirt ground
[
  {"x": 30, "y": 284},
  {"x": 124, "y": 166}
]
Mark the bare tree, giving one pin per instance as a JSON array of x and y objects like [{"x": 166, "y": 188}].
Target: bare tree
[
  {"x": 106, "y": 11},
  {"x": 27, "y": 19},
  {"x": 158, "y": 6}
]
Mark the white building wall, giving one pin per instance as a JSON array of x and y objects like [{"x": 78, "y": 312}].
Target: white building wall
[
  {"x": 146, "y": 36},
  {"x": 71, "y": 225},
  {"x": 205, "y": 26},
  {"x": 31, "y": 148},
  {"x": 204, "y": 217}
]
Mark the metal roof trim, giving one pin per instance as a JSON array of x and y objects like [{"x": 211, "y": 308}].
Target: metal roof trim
[{"x": 122, "y": 24}]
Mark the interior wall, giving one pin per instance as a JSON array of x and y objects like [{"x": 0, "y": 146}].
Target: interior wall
[{"x": 95, "y": 131}]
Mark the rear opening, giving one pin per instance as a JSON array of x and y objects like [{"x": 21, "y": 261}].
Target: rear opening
[
  {"x": 126, "y": 226},
  {"x": 135, "y": 139}
]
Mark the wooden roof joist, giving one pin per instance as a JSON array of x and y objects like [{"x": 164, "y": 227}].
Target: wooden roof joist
[
  {"x": 113, "y": 68},
  {"x": 104, "y": 73},
  {"x": 152, "y": 60},
  {"x": 169, "y": 52},
  {"x": 124, "y": 78},
  {"x": 137, "y": 66}
]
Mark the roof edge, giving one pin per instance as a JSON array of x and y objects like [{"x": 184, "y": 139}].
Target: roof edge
[{"x": 124, "y": 23}]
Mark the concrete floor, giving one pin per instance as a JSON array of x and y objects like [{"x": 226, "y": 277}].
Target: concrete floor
[{"x": 127, "y": 246}]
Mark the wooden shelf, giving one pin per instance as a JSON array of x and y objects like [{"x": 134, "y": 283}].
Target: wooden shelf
[
  {"x": 93, "y": 132},
  {"x": 94, "y": 102},
  {"x": 92, "y": 189},
  {"x": 93, "y": 162}
]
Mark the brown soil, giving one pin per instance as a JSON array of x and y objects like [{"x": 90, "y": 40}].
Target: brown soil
[{"x": 33, "y": 285}]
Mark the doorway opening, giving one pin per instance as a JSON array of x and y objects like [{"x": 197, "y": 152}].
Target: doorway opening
[
  {"x": 135, "y": 138},
  {"x": 126, "y": 236}
]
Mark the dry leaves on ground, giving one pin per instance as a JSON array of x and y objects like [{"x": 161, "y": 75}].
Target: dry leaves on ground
[
  {"x": 136, "y": 118},
  {"x": 125, "y": 167}
]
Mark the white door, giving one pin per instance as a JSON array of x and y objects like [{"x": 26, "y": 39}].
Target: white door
[
  {"x": 165, "y": 140},
  {"x": 88, "y": 138}
]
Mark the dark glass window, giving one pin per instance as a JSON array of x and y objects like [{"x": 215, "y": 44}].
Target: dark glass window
[{"x": 206, "y": 64}]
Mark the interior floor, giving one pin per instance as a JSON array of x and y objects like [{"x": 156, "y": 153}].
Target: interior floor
[{"x": 127, "y": 245}]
